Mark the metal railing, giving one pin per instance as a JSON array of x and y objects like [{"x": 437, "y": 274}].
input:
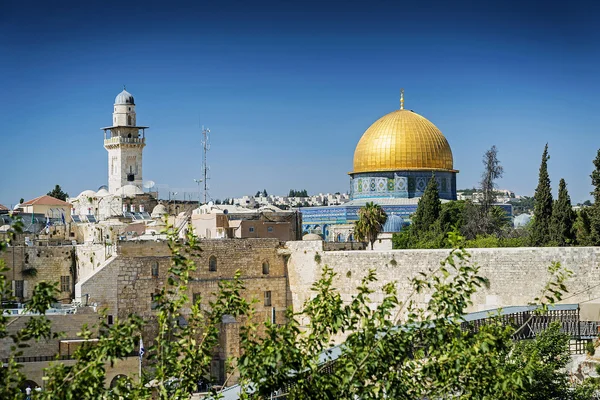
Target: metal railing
[{"x": 121, "y": 139}]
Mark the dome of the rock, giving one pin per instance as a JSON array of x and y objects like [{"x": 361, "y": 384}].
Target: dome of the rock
[
  {"x": 398, "y": 154},
  {"x": 402, "y": 140}
]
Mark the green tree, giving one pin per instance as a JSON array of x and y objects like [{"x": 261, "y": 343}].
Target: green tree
[
  {"x": 58, "y": 193},
  {"x": 542, "y": 211},
  {"x": 429, "y": 357},
  {"x": 428, "y": 208},
  {"x": 583, "y": 228},
  {"x": 370, "y": 222},
  {"x": 491, "y": 172},
  {"x": 549, "y": 352},
  {"x": 563, "y": 218},
  {"x": 264, "y": 193},
  {"x": 595, "y": 208}
]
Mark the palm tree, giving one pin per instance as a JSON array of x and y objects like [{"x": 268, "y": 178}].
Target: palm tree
[{"x": 370, "y": 222}]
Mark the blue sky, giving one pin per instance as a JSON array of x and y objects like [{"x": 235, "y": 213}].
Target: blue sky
[{"x": 288, "y": 88}]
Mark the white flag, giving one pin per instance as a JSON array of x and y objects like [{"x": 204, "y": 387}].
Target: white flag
[{"x": 142, "y": 350}]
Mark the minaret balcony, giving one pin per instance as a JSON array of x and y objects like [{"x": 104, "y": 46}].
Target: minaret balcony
[{"x": 124, "y": 140}]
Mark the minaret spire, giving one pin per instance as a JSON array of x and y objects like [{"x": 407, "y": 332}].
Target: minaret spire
[{"x": 402, "y": 99}]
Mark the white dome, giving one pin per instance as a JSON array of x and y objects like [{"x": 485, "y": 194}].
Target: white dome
[
  {"x": 311, "y": 236},
  {"x": 159, "y": 211},
  {"x": 124, "y": 98},
  {"x": 129, "y": 191},
  {"x": 87, "y": 193},
  {"x": 102, "y": 192}
]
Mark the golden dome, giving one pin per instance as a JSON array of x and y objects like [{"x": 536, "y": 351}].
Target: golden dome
[{"x": 402, "y": 140}]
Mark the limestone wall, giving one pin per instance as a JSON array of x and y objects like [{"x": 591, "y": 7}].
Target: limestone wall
[
  {"x": 70, "y": 325},
  {"x": 49, "y": 262},
  {"x": 128, "y": 366},
  {"x": 517, "y": 275}
]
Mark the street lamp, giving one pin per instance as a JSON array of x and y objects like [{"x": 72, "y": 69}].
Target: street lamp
[{"x": 198, "y": 181}]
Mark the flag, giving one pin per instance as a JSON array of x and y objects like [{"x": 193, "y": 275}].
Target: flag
[
  {"x": 62, "y": 216},
  {"x": 142, "y": 350},
  {"x": 47, "y": 224}
]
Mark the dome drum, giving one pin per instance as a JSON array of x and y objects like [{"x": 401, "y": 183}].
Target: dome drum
[{"x": 401, "y": 184}]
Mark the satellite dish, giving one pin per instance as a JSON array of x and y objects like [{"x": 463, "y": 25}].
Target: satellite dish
[
  {"x": 149, "y": 184},
  {"x": 210, "y": 203}
]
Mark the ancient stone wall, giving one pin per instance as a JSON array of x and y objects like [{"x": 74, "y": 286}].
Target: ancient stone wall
[
  {"x": 127, "y": 283},
  {"x": 48, "y": 263},
  {"x": 69, "y": 325},
  {"x": 516, "y": 275}
]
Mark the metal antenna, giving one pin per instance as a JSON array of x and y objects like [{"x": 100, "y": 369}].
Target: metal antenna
[{"x": 205, "y": 147}]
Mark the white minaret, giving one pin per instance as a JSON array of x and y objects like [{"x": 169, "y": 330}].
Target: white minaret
[{"x": 124, "y": 142}]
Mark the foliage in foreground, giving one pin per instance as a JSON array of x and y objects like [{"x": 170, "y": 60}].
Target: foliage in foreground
[{"x": 402, "y": 349}]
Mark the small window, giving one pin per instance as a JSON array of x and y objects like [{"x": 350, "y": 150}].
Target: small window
[
  {"x": 196, "y": 297},
  {"x": 155, "y": 269},
  {"x": 18, "y": 289},
  {"x": 251, "y": 229},
  {"x": 212, "y": 263},
  {"x": 270, "y": 229},
  {"x": 266, "y": 268},
  {"x": 109, "y": 319},
  {"x": 65, "y": 283},
  {"x": 268, "y": 298},
  {"x": 153, "y": 301}
]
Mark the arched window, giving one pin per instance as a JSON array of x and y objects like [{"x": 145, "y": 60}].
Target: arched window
[
  {"x": 212, "y": 263},
  {"x": 116, "y": 380},
  {"x": 265, "y": 268},
  {"x": 155, "y": 268}
]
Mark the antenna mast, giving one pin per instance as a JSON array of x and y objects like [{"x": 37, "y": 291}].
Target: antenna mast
[{"x": 205, "y": 147}]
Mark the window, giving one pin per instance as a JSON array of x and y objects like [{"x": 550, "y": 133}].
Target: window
[
  {"x": 153, "y": 301},
  {"x": 65, "y": 283},
  {"x": 109, "y": 319},
  {"x": 268, "y": 298},
  {"x": 251, "y": 229},
  {"x": 196, "y": 297},
  {"x": 270, "y": 229},
  {"x": 155, "y": 269},
  {"x": 18, "y": 289},
  {"x": 212, "y": 263},
  {"x": 266, "y": 268}
]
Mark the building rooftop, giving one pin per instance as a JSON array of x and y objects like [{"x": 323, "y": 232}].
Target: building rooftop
[{"x": 46, "y": 201}]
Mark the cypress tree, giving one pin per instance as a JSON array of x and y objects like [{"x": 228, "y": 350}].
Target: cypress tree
[
  {"x": 563, "y": 217},
  {"x": 595, "y": 208},
  {"x": 542, "y": 205},
  {"x": 428, "y": 209}
]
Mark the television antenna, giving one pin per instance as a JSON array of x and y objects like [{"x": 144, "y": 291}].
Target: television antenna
[{"x": 205, "y": 148}]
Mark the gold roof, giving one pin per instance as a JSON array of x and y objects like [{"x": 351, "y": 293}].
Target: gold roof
[{"x": 402, "y": 140}]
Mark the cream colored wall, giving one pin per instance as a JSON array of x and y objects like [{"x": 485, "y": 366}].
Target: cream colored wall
[{"x": 47, "y": 210}]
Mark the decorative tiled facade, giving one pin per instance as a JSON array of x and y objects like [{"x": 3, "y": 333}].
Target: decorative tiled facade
[{"x": 403, "y": 184}]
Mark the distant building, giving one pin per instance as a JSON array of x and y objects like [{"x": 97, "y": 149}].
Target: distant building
[{"x": 223, "y": 221}]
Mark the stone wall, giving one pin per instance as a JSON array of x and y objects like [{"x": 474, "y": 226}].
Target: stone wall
[
  {"x": 69, "y": 325},
  {"x": 34, "y": 371},
  {"x": 127, "y": 282},
  {"x": 50, "y": 264},
  {"x": 517, "y": 275}
]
